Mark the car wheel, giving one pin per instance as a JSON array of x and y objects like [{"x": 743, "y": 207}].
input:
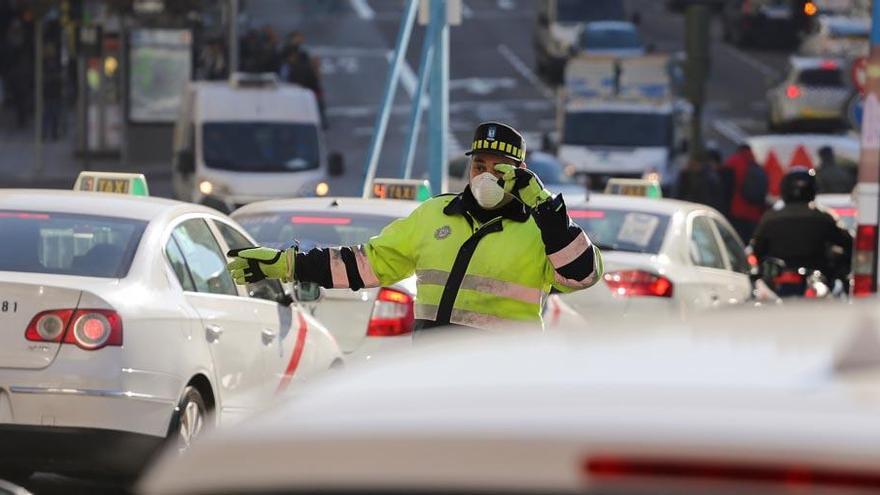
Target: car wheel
[{"x": 189, "y": 420}]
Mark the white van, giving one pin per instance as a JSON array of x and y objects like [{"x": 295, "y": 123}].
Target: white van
[{"x": 247, "y": 139}]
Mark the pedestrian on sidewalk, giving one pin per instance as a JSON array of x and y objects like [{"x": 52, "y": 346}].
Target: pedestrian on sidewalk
[
  {"x": 301, "y": 68},
  {"x": 53, "y": 92},
  {"x": 831, "y": 178},
  {"x": 700, "y": 183},
  {"x": 748, "y": 193}
]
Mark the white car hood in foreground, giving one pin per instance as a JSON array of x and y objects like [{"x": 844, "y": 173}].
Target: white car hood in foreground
[
  {"x": 797, "y": 387},
  {"x": 614, "y": 160}
]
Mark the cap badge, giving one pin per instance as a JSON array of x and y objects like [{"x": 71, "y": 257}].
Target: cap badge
[
  {"x": 442, "y": 233},
  {"x": 490, "y": 133}
]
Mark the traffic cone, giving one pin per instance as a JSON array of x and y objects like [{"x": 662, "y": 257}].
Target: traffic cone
[
  {"x": 774, "y": 172},
  {"x": 800, "y": 158}
]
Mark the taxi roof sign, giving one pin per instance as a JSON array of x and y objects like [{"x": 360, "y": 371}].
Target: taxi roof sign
[
  {"x": 112, "y": 182},
  {"x": 406, "y": 189},
  {"x": 643, "y": 188}
]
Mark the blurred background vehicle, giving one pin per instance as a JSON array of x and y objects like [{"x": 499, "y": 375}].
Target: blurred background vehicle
[
  {"x": 763, "y": 401},
  {"x": 620, "y": 118},
  {"x": 812, "y": 95},
  {"x": 247, "y": 139},
  {"x": 761, "y": 22},
  {"x": 837, "y": 36},
  {"x": 662, "y": 257},
  {"x": 610, "y": 39},
  {"x": 558, "y": 24},
  {"x": 364, "y": 322}
]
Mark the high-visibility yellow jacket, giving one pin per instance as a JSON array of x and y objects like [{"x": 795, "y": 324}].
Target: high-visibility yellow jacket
[{"x": 478, "y": 274}]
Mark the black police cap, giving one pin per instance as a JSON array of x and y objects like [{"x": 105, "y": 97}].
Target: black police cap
[{"x": 498, "y": 139}]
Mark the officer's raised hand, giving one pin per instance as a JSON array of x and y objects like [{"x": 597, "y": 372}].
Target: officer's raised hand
[
  {"x": 523, "y": 183},
  {"x": 251, "y": 265}
]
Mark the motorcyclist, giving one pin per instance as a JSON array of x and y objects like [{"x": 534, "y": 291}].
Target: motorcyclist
[{"x": 801, "y": 234}]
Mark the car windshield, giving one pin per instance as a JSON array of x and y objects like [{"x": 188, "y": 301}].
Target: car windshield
[
  {"x": 589, "y": 10},
  {"x": 260, "y": 146},
  {"x": 617, "y": 129},
  {"x": 617, "y": 38},
  {"x": 66, "y": 244},
  {"x": 310, "y": 229},
  {"x": 821, "y": 77},
  {"x": 622, "y": 230}
]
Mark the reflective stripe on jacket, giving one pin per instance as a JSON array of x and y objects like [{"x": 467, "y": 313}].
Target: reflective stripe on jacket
[{"x": 469, "y": 274}]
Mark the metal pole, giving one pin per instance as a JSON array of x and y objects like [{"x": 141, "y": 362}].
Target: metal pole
[
  {"x": 415, "y": 116},
  {"x": 697, "y": 70},
  {"x": 38, "y": 95},
  {"x": 438, "y": 122},
  {"x": 233, "y": 36},
  {"x": 381, "y": 125}
]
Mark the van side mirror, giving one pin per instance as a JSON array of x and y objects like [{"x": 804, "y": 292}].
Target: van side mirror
[
  {"x": 335, "y": 164},
  {"x": 186, "y": 162},
  {"x": 306, "y": 292}
]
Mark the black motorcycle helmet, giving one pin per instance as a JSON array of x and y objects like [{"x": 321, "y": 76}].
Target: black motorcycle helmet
[{"x": 799, "y": 185}]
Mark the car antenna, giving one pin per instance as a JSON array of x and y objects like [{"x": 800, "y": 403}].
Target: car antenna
[{"x": 334, "y": 203}]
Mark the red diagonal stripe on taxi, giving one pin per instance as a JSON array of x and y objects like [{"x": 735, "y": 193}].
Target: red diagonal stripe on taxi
[{"x": 296, "y": 355}]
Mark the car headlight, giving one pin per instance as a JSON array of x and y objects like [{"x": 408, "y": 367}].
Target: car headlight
[
  {"x": 322, "y": 189},
  {"x": 211, "y": 188}
]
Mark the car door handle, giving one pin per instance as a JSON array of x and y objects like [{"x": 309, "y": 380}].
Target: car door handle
[
  {"x": 268, "y": 335},
  {"x": 213, "y": 332}
]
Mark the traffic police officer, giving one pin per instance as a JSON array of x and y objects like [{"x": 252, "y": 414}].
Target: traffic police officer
[{"x": 484, "y": 258}]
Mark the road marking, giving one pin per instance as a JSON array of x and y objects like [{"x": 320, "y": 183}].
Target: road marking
[
  {"x": 481, "y": 85},
  {"x": 764, "y": 69},
  {"x": 363, "y": 9},
  {"x": 408, "y": 78},
  {"x": 524, "y": 70},
  {"x": 506, "y": 5},
  {"x": 730, "y": 131}
]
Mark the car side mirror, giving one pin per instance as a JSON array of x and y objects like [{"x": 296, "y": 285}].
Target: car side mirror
[
  {"x": 335, "y": 164},
  {"x": 306, "y": 292},
  {"x": 186, "y": 162}
]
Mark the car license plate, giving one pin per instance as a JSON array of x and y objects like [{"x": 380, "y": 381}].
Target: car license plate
[{"x": 8, "y": 306}]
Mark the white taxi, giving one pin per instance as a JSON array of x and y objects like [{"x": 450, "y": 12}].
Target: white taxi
[
  {"x": 662, "y": 256},
  {"x": 122, "y": 329},
  {"x": 759, "y": 402},
  {"x": 364, "y": 322}
]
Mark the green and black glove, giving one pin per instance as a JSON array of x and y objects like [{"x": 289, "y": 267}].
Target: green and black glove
[
  {"x": 524, "y": 183},
  {"x": 257, "y": 263}
]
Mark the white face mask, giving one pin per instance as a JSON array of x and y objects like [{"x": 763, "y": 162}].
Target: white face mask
[{"x": 486, "y": 190}]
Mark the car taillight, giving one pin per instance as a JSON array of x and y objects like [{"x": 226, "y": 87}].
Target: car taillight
[
  {"x": 793, "y": 92},
  {"x": 392, "y": 314},
  {"x": 864, "y": 261},
  {"x": 792, "y": 477},
  {"x": 48, "y": 326},
  {"x": 628, "y": 283},
  {"x": 89, "y": 329}
]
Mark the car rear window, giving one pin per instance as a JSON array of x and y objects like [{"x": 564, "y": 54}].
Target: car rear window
[
  {"x": 821, "y": 77},
  {"x": 67, "y": 244},
  {"x": 622, "y": 230},
  {"x": 312, "y": 229}
]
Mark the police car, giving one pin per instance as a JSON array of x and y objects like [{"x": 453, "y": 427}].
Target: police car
[
  {"x": 365, "y": 321},
  {"x": 763, "y": 402},
  {"x": 122, "y": 328},
  {"x": 661, "y": 256}
]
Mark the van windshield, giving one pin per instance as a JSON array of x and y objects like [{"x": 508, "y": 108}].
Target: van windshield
[
  {"x": 617, "y": 129},
  {"x": 260, "y": 146}
]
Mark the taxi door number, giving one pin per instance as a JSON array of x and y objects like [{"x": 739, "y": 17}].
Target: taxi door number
[{"x": 8, "y": 307}]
